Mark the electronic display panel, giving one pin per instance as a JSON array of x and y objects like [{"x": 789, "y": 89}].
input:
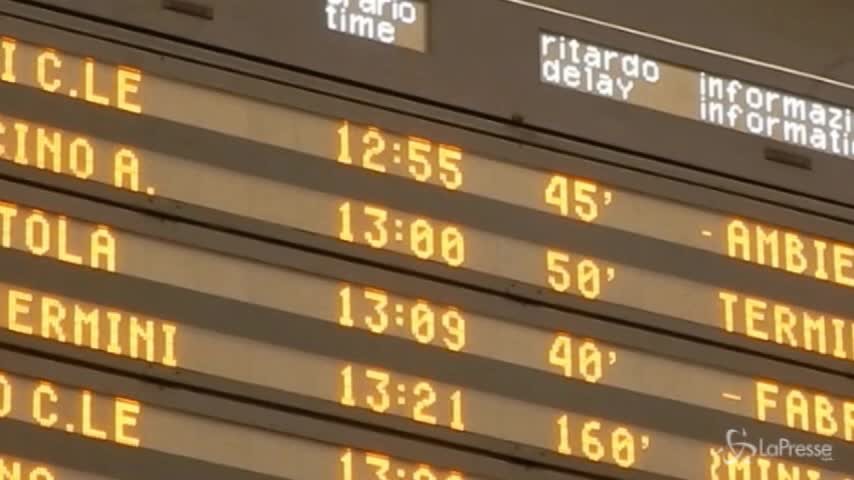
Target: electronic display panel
[
  {"x": 369, "y": 307},
  {"x": 574, "y": 63},
  {"x": 367, "y": 387},
  {"x": 133, "y": 424},
  {"x": 385, "y": 228},
  {"x": 402, "y": 23},
  {"x": 371, "y": 148}
]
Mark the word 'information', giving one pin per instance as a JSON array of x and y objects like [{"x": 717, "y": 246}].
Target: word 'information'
[{"x": 628, "y": 77}]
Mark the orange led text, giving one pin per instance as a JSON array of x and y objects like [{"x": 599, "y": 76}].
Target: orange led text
[
  {"x": 99, "y": 328},
  {"x": 56, "y": 236},
  {"x": 790, "y": 251},
  {"x": 770, "y": 321}
]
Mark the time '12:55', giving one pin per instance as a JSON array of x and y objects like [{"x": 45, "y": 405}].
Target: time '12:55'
[{"x": 411, "y": 157}]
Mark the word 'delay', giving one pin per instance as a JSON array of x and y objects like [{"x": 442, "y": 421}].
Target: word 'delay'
[
  {"x": 593, "y": 69},
  {"x": 394, "y": 22}
]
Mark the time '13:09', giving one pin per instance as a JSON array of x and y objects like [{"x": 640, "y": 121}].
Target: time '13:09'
[
  {"x": 382, "y": 313},
  {"x": 380, "y": 228},
  {"x": 377, "y": 390}
]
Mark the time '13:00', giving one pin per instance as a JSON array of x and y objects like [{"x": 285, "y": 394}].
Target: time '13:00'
[{"x": 420, "y": 237}]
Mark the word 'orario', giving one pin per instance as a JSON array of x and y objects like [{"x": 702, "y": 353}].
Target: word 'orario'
[{"x": 393, "y": 22}]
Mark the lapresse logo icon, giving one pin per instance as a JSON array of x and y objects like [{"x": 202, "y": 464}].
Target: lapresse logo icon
[{"x": 741, "y": 447}]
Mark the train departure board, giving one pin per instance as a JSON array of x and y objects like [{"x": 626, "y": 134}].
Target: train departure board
[
  {"x": 446, "y": 166},
  {"x": 235, "y": 263},
  {"x": 679, "y": 103}
]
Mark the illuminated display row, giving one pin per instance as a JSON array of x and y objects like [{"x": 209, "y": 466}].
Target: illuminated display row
[
  {"x": 356, "y": 306},
  {"x": 133, "y": 424},
  {"x": 129, "y": 423},
  {"x": 370, "y": 148},
  {"x": 14, "y": 468}
]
